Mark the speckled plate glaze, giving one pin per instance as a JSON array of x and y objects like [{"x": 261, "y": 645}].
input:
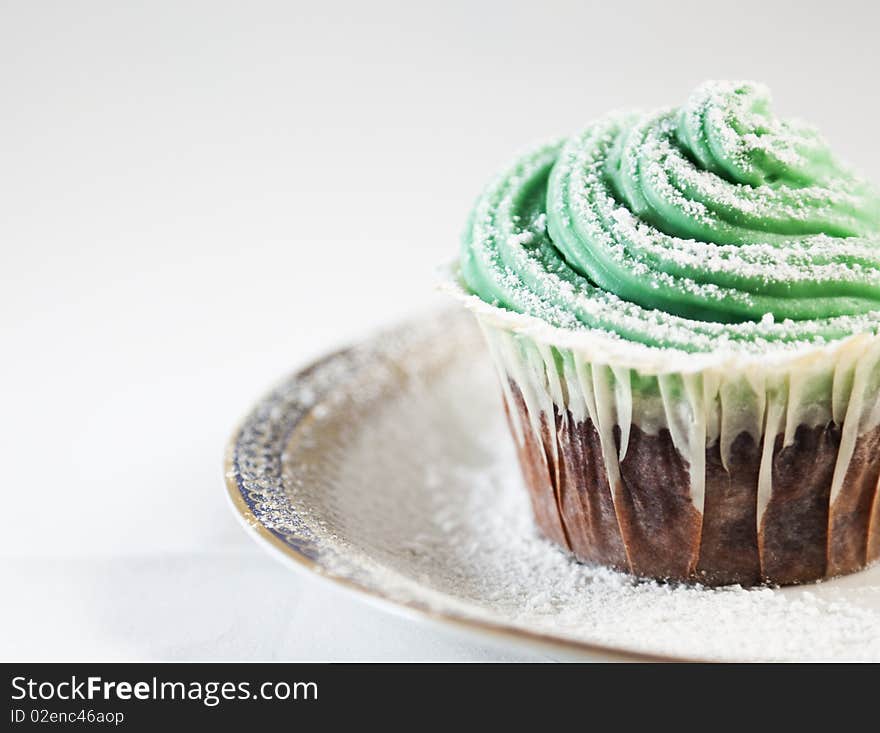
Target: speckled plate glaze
[{"x": 387, "y": 468}]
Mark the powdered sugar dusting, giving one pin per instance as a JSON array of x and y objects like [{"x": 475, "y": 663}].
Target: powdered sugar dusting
[{"x": 405, "y": 482}]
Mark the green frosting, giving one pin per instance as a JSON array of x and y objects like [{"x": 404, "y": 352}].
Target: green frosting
[{"x": 712, "y": 224}]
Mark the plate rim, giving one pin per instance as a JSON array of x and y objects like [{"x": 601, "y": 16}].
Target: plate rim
[{"x": 288, "y": 554}]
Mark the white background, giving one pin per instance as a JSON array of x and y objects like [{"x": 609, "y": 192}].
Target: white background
[{"x": 196, "y": 198}]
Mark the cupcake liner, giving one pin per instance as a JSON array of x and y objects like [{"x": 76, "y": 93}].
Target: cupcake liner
[{"x": 721, "y": 470}]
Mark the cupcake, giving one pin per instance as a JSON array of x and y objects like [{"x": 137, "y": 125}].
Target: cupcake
[{"x": 683, "y": 309}]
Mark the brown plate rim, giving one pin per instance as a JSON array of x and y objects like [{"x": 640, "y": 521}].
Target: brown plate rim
[{"x": 499, "y": 631}]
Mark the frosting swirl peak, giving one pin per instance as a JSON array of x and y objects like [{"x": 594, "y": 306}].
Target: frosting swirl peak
[{"x": 684, "y": 228}]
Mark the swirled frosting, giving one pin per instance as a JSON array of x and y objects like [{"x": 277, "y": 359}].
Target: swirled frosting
[{"x": 713, "y": 223}]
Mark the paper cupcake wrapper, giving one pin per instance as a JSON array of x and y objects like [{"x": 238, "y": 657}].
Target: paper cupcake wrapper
[{"x": 751, "y": 473}]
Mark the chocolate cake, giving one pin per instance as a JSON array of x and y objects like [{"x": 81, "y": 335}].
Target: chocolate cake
[{"x": 646, "y": 524}]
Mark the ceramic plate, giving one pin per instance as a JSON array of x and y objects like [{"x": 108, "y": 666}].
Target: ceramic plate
[{"x": 387, "y": 467}]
